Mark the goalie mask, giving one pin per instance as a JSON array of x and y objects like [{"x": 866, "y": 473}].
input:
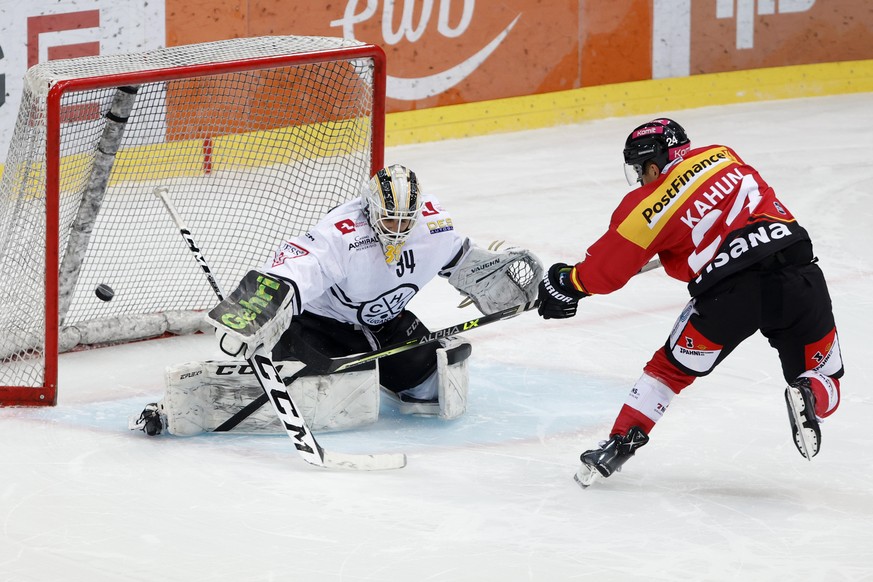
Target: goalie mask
[{"x": 392, "y": 202}]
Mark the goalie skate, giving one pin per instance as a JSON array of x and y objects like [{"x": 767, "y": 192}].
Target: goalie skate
[
  {"x": 149, "y": 421},
  {"x": 801, "y": 414}
]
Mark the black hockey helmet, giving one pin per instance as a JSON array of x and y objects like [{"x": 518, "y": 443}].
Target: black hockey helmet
[{"x": 659, "y": 141}]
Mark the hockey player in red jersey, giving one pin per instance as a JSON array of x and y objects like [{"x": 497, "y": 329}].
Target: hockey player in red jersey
[{"x": 716, "y": 224}]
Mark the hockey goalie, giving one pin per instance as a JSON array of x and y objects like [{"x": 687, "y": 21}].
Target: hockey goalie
[{"x": 341, "y": 289}]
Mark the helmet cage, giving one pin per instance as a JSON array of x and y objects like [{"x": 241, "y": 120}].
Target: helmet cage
[{"x": 392, "y": 201}]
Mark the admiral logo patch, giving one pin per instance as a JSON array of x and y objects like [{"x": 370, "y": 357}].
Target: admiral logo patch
[{"x": 363, "y": 242}]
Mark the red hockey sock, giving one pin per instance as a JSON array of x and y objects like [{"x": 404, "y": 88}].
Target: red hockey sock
[
  {"x": 629, "y": 418},
  {"x": 826, "y": 391}
]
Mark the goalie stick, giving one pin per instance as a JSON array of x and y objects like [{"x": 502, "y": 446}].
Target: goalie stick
[
  {"x": 275, "y": 390},
  {"x": 333, "y": 365}
]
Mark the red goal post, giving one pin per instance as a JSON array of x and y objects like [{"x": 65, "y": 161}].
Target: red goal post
[{"x": 255, "y": 139}]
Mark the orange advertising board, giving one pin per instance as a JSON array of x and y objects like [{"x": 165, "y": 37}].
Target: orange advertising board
[
  {"x": 445, "y": 52},
  {"x": 735, "y": 36}
]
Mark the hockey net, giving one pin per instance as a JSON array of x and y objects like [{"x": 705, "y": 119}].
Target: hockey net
[{"x": 254, "y": 138}]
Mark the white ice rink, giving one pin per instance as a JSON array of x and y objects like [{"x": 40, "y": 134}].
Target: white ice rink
[{"x": 720, "y": 492}]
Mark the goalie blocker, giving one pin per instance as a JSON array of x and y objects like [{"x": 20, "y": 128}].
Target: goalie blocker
[
  {"x": 255, "y": 314},
  {"x": 213, "y": 396}
]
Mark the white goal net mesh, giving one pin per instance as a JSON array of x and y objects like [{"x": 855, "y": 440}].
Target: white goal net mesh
[{"x": 252, "y": 148}]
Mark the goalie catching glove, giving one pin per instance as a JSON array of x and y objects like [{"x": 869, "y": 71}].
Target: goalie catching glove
[
  {"x": 257, "y": 313},
  {"x": 558, "y": 297}
]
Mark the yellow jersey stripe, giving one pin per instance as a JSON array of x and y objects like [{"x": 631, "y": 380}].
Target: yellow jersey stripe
[{"x": 649, "y": 217}]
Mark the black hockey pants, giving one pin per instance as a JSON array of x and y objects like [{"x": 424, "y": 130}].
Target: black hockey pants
[
  {"x": 785, "y": 296},
  {"x": 313, "y": 339}
]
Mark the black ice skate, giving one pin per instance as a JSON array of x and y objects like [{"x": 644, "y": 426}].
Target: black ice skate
[
  {"x": 611, "y": 455},
  {"x": 801, "y": 414},
  {"x": 149, "y": 420}
]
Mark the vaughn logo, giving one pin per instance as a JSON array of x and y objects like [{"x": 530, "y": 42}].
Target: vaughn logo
[{"x": 448, "y": 24}]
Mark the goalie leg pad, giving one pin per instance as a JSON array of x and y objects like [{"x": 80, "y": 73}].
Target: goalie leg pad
[
  {"x": 454, "y": 376},
  {"x": 449, "y": 384},
  {"x": 201, "y": 396}
]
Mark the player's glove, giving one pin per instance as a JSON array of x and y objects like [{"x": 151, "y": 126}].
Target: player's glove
[{"x": 557, "y": 295}]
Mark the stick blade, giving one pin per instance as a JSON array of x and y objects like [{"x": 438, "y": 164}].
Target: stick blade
[{"x": 376, "y": 462}]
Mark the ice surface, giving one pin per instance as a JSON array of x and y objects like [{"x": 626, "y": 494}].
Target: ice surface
[{"x": 720, "y": 493}]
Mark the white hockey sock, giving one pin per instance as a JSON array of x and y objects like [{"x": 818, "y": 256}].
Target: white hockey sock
[{"x": 650, "y": 396}]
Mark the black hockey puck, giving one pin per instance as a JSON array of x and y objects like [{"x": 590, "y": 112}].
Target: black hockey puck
[{"x": 104, "y": 292}]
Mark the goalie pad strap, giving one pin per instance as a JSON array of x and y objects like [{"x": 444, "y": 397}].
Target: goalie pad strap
[{"x": 457, "y": 353}]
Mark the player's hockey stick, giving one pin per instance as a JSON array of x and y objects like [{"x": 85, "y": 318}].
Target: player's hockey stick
[
  {"x": 333, "y": 365},
  {"x": 339, "y": 364},
  {"x": 275, "y": 390},
  {"x": 651, "y": 265}
]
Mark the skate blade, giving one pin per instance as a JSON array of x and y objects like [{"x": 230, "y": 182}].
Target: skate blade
[
  {"x": 133, "y": 422},
  {"x": 585, "y": 476},
  {"x": 805, "y": 438}
]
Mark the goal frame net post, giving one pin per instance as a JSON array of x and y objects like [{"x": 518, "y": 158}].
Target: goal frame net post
[{"x": 256, "y": 139}]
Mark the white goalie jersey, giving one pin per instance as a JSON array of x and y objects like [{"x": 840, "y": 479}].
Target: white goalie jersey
[{"x": 341, "y": 270}]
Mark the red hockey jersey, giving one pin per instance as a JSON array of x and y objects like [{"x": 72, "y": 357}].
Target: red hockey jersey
[{"x": 709, "y": 215}]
